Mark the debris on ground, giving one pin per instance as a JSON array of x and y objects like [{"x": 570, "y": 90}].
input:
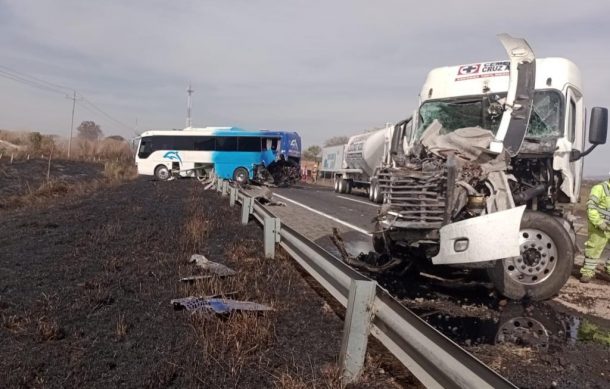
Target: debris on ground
[
  {"x": 371, "y": 262},
  {"x": 195, "y": 278},
  {"x": 213, "y": 267},
  {"x": 217, "y": 305},
  {"x": 209, "y": 186}
]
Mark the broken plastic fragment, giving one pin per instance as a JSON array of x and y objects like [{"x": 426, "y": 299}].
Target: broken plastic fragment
[
  {"x": 214, "y": 267},
  {"x": 217, "y": 305}
]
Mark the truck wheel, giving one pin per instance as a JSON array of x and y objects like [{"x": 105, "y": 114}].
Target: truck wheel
[
  {"x": 377, "y": 196},
  {"x": 342, "y": 186},
  {"x": 337, "y": 185},
  {"x": 162, "y": 173},
  {"x": 240, "y": 175},
  {"x": 349, "y": 185},
  {"x": 545, "y": 263}
]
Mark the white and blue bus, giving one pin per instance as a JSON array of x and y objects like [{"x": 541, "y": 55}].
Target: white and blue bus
[{"x": 227, "y": 152}]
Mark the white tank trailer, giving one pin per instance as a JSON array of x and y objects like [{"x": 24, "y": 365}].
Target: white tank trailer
[{"x": 365, "y": 154}]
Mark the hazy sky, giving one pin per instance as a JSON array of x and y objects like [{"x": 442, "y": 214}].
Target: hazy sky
[{"x": 322, "y": 68}]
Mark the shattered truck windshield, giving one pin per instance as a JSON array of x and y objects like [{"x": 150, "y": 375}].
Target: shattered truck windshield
[{"x": 485, "y": 112}]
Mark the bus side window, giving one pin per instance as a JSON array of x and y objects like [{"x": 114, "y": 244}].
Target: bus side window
[
  {"x": 249, "y": 144},
  {"x": 274, "y": 144},
  {"x": 205, "y": 143},
  {"x": 145, "y": 148},
  {"x": 267, "y": 144},
  {"x": 226, "y": 143}
]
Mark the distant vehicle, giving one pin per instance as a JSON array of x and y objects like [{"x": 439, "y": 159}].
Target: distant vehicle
[
  {"x": 363, "y": 157},
  {"x": 226, "y": 152}
]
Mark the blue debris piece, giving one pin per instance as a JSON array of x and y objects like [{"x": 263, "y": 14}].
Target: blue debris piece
[{"x": 217, "y": 305}]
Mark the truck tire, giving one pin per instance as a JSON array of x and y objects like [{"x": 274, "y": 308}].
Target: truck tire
[
  {"x": 377, "y": 196},
  {"x": 337, "y": 185},
  {"x": 349, "y": 184},
  {"x": 162, "y": 173},
  {"x": 545, "y": 263},
  {"x": 241, "y": 175}
]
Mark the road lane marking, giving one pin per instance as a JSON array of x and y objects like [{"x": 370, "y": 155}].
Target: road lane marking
[
  {"x": 359, "y": 201},
  {"x": 353, "y": 227}
]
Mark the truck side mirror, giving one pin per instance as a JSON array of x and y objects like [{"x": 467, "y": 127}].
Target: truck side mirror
[
  {"x": 598, "y": 131},
  {"x": 598, "y": 127}
]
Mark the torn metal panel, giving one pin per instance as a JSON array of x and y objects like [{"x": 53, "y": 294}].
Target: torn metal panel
[
  {"x": 561, "y": 162},
  {"x": 213, "y": 267},
  {"x": 217, "y": 305},
  {"x": 483, "y": 238},
  {"x": 519, "y": 100}
]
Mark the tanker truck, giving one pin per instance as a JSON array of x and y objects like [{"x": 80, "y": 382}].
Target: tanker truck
[
  {"x": 492, "y": 174},
  {"x": 364, "y": 156}
]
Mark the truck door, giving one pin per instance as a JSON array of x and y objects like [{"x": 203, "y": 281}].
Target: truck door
[{"x": 575, "y": 132}]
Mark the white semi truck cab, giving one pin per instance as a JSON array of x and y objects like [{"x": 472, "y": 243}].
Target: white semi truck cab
[{"x": 493, "y": 170}]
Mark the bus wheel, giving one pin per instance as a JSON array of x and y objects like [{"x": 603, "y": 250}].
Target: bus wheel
[
  {"x": 240, "y": 175},
  {"x": 162, "y": 172}
]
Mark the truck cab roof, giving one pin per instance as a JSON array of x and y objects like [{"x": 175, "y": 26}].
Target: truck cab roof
[{"x": 492, "y": 76}]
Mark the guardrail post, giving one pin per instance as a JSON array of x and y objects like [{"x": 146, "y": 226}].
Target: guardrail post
[
  {"x": 246, "y": 209},
  {"x": 356, "y": 329},
  {"x": 219, "y": 185},
  {"x": 232, "y": 196},
  {"x": 224, "y": 189},
  {"x": 271, "y": 229}
]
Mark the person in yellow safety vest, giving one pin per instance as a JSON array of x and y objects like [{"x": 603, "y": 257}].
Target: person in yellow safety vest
[{"x": 598, "y": 213}]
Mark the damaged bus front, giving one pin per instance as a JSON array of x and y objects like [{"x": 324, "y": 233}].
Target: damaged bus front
[{"x": 493, "y": 171}]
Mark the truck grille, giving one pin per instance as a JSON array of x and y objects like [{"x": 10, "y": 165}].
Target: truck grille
[{"x": 418, "y": 196}]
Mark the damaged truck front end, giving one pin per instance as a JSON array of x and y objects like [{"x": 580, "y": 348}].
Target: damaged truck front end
[{"x": 492, "y": 173}]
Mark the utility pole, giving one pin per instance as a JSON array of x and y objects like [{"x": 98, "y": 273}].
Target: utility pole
[
  {"x": 73, "y": 98},
  {"x": 189, "y": 91}
]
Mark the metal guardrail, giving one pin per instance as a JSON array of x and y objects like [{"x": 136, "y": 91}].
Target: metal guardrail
[{"x": 434, "y": 359}]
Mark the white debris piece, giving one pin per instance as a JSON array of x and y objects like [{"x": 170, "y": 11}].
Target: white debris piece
[
  {"x": 214, "y": 267},
  {"x": 195, "y": 278}
]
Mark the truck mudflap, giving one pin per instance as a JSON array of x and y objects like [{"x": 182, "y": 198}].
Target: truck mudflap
[{"x": 484, "y": 238}]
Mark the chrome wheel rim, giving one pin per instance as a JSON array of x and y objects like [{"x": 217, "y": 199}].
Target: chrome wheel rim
[
  {"x": 537, "y": 260},
  {"x": 523, "y": 331},
  {"x": 163, "y": 173}
]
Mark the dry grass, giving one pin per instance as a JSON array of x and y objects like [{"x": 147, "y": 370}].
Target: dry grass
[
  {"x": 120, "y": 171},
  {"x": 115, "y": 173},
  {"x": 48, "y": 329},
  {"x": 15, "y": 324},
  {"x": 330, "y": 378},
  {"x": 121, "y": 327}
]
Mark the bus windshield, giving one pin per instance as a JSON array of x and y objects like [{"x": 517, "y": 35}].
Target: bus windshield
[{"x": 485, "y": 112}]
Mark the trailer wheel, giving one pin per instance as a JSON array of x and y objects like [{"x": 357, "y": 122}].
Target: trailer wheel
[
  {"x": 348, "y": 186},
  {"x": 162, "y": 173},
  {"x": 240, "y": 175},
  {"x": 342, "y": 185},
  {"x": 337, "y": 185},
  {"x": 545, "y": 263},
  {"x": 377, "y": 197}
]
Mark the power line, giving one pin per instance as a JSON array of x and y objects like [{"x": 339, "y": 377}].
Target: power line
[
  {"x": 67, "y": 92},
  {"x": 117, "y": 121},
  {"x": 31, "y": 83},
  {"x": 52, "y": 85}
]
